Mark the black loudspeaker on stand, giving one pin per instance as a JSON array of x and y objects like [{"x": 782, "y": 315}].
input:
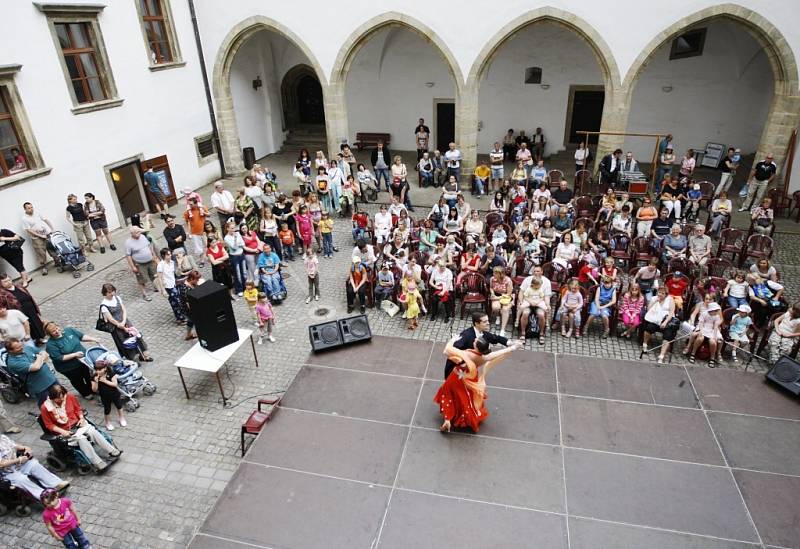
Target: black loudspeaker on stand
[
  {"x": 212, "y": 313},
  {"x": 786, "y": 373},
  {"x": 338, "y": 333}
]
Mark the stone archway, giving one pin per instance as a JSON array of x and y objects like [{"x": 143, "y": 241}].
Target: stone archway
[
  {"x": 784, "y": 112},
  {"x": 230, "y": 146},
  {"x": 336, "y": 105},
  {"x": 600, "y": 49},
  {"x": 301, "y": 97}
]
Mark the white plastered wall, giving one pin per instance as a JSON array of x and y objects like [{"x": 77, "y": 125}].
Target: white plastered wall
[
  {"x": 386, "y": 87},
  {"x": 507, "y": 102},
  {"x": 722, "y": 96},
  {"x": 259, "y": 114}
]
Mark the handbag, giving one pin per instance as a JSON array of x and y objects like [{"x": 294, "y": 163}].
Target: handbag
[
  {"x": 102, "y": 324},
  {"x": 763, "y": 222}
]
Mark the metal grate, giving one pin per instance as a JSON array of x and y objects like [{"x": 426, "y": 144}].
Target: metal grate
[{"x": 205, "y": 146}]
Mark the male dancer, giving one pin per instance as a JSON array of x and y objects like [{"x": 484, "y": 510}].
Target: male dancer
[{"x": 466, "y": 340}]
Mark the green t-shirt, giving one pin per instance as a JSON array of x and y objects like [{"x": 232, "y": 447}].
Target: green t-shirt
[
  {"x": 69, "y": 342},
  {"x": 36, "y": 381}
]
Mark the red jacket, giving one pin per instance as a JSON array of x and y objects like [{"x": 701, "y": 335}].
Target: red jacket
[{"x": 74, "y": 414}]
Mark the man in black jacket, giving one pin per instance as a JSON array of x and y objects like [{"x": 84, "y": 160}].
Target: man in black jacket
[
  {"x": 381, "y": 163},
  {"x": 466, "y": 340},
  {"x": 610, "y": 167},
  {"x": 174, "y": 234}
]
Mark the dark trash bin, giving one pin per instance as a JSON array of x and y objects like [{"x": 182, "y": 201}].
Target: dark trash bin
[{"x": 249, "y": 157}]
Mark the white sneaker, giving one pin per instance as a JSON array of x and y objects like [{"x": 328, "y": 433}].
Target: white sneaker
[
  {"x": 316, "y": 298},
  {"x": 100, "y": 466},
  {"x": 742, "y": 209},
  {"x": 240, "y": 294},
  {"x": 502, "y": 333},
  {"x": 122, "y": 422},
  {"x": 109, "y": 427},
  {"x": 260, "y": 341},
  {"x": 308, "y": 300},
  {"x": 272, "y": 339},
  {"x": 497, "y": 321}
]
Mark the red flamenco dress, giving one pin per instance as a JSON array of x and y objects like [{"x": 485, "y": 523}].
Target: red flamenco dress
[{"x": 461, "y": 397}]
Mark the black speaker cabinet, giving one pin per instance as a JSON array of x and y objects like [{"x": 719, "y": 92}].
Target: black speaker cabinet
[
  {"x": 325, "y": 336},
  {"x": 211, "y": 311},
  {"x": 786, "y": 373},
  {"x": 355, "y": 329}
]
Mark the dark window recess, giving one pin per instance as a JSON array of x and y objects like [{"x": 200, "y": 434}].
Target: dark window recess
[
  {"x": 533, "y": 75},
  {"x": 688, "y": 44},
  {"x": 205, "y": 146}
]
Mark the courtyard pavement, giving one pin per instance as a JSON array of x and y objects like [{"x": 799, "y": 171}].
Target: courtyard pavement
[{"x": 179, "y": 453}]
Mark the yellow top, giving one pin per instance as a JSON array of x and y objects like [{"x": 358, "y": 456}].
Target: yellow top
[
  {"x": 326, "y": 225},
  {"x": 483, "y": 172},
  {"x": 251, "y": 296}
]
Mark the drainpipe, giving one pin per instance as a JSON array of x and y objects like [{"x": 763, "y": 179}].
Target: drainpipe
[{"x": 209, "y": 101}]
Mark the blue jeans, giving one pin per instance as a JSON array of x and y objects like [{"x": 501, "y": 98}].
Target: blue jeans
[
  {"x": 736, "y": 301},
  {"x": 75, "y": 539},
  {"x": 427, "y": 178},
  {"x": 382, "y": 173},
  {"x": 327, "y": 244},
  {"x": 239, "y": 272},
  {"x": 454, "y": 171},
  {"x": 288, "y": 253},
  {"x": 273, "y": 285},
  {"x": 480, "y": 185}
]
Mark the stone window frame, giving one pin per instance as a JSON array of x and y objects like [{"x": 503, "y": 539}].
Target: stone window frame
[
  {"x": 27, "y": 141},
  {"x": 203, "y": 160},
  {"x": 172, "y": 37},
  {"x": 88, "y": 13}
]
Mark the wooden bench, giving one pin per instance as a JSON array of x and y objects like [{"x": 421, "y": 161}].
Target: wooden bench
[{"x": 370, "y": 140}]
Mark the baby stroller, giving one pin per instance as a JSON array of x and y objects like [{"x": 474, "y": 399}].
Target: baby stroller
[
  {"x": 130, "y": 379},
  {"x": 62, "y": 455},
  {"x": 346, "y": 207},
  {"x": 12, "y": 387},
  {"x": 66, "y": 254}
]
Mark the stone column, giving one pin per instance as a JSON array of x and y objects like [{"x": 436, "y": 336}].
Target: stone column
[
  {"x": 783, "y": 118},
  {"x": 467, "y": 127},
  {"x": 229, "y": 135},
  {"x": 616, "y": 108},
  {"x": 336, "y": 125}
]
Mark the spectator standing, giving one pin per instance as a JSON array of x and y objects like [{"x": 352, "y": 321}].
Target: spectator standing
[
  {"x": 453, "y": 159},
  {"x": 326, "y": 231},
  {"x": 234, "y": 245},
  {"x": 14, "y": 324},
  {"x": 581, "y": 157},
  {"x": 727, "y": 168},
  {"x": 174, "y": 234},
  {"x": 496, "y": 157},
  {"x": 510, "y": 145},
  {"x": 22, "y": 299},
  {"x": 76, "y": 216},
  {"x": 687, "y": 164},
  {"x": 155, "y": 190},
  {"x": 665, "y": 161},
  {"x": 140, "y": 255},
  {"x": 222, "y": 201},
  {"x": 381, "y": 158},
  {"x": 758, "y": 180},
  {"x": 311, "y": 263},
  {"x": 195, "y": 217},
  {"x": 266, "y": 318},
  {"x": 66, "y": 350},
  {"x": 422, "y": 134},
  {"x": 106, "y": 383},
  {"x": 11, "y": 251},
  {"x": 39, "y": 228},
  {"x": 220, "y": 263},
  {"x": 128, "y": 340},
  {"x": 538, "y": 141},
  {"x": 169, "y": 287}
]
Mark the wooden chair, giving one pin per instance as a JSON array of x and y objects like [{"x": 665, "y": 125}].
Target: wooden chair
[
  {"x": 707, "y": 188},
  {"x": 719, "y": 267},
  {"x": 588, "y": 223},
  {"x": 493, "y": 218},
  {"x": 258, "y": 418},
  {"x": 554, "y": 178},
  {"x": 641, "y": 250},
  {"x": 680, "y": 265},
  {"x": 473, "y": 290},
  {"x": 757, "y": 246},
  {"x": 780, "y": 202},
  {"x": 795, "y": 206},
  {"x": 620, "y": 250},
  {"x": 520, "y": 272},
  {"x": 731, "y": 242},
  {"x": 584, "y": 207}
]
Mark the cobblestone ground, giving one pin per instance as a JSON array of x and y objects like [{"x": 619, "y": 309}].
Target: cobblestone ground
[{"x": 180, "y": 453}]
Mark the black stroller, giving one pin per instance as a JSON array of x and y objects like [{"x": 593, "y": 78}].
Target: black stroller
[{"x": 66, "y": 254}]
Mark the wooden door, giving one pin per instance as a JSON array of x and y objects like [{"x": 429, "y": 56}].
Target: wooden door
[{"x": 160, "y": 166}]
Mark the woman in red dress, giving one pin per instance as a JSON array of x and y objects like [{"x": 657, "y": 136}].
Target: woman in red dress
[{"x": 461, "y": 397}]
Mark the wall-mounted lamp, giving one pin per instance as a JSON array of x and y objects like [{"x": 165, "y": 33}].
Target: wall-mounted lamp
[
  {"x": 257, "y": 83},
  {"x": 666, "y": 89},
  {"x": 545, "y": 86},
  {"x": 429, "y": 84}
]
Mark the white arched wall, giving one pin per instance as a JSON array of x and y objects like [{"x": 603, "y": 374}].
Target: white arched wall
[
  {"x": 259, "y": 114},
  {"x": 386, "y": 87},
  {"x": 722, "y": 96},
  {"x": 505, "y": 101}
]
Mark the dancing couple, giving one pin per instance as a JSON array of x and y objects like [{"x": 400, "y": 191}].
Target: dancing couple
[{"x": 461, "y": 398}]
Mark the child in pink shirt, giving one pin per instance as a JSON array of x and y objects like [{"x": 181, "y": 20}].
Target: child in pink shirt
[
  {"x": 312, "y": 270},
  {"x": 266, "y": 318},
  {"x": 62, "y": 520}
]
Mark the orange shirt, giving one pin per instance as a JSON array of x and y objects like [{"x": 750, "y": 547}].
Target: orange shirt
[
  {"x": 287, "y": 237},
  {"x": 196, "y": 221}
]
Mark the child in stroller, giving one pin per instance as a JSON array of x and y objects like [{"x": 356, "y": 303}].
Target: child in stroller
[
  {"x": 67, "y": 255},
  {"x": 130, "y": 380}
]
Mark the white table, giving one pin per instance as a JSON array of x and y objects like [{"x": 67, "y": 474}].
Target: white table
[{"x": 202, "y": 360}]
